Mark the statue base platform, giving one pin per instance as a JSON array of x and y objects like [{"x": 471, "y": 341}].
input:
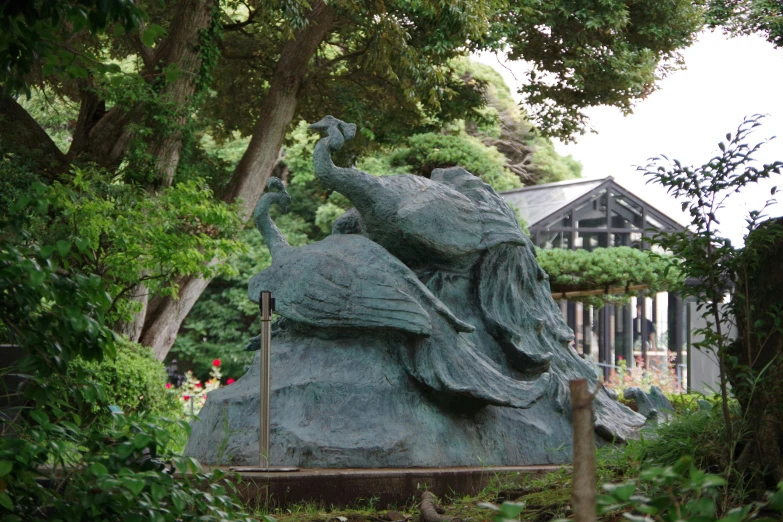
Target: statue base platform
[{"x": 386, "y": 488}]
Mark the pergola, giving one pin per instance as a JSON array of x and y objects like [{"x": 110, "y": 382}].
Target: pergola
[{"x": 599, "y": 213}]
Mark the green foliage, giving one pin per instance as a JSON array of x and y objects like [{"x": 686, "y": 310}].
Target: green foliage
[
  {"x": 132, "y": 379},
  {"x": 29, "y": 35},
  {"x": 697, "y": 434},
  {"x": 392, "y": 69},
  {"x": 505, "y": 125},
  {"x": 710, "y": 260},
  {"x": 53, "y": 315},
  {"x": 54, "y": 113},
  {"x": 585, "y": 54},
  {"x": 63, "y": 472},
  {"x": 425, "y": 152},
  {"x": 59, "y": 457},
  {"x": 552, "y": 165},
  {"x": 605, "y": 268},
  {"x": 680, "y": 492},
  {"x": 764, "y": 17},
  {"x": 130, "y": 237}
]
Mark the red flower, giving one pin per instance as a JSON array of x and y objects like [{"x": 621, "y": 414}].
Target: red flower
[
  {"x": 229, "y": 381},
  {"x": 216, "y": 362},
  {"x": 168, "y": 385},
  {"x": 186, "y": 397},
  {"x": 621, "y": 358},
  {"x": 198, "y": 385}
]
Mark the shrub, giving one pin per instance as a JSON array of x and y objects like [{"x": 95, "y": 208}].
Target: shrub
[
  {"x": 426, "y": 152},
  {"x": 61, "y": 471},
  {"x": 133, "y": 379},
  {"x": 682, "y": 493},
  {"x": 698, "y": 434}
]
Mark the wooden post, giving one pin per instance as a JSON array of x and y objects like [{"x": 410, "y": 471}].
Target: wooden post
[{"x": 583, "y": 482}]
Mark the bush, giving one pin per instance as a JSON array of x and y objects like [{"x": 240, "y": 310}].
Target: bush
[
  {"x": 698, "y": 434},
  {"x": 133, "y": 379},
  {"x": 61, "y": 457},
  {"x": 429, "y": 151},
  {"x": 61, "y": 471},
  {"x": 682, "y": 492}
]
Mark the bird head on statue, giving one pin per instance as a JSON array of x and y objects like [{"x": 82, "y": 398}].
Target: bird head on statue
[
  {"x": 276, "y": 191},
  {"x": 336, "y": 130}
]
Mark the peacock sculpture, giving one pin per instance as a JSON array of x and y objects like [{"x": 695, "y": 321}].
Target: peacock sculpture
[
  {"x": 351, "y": 282},
  {"x": 422, "y": 332}
]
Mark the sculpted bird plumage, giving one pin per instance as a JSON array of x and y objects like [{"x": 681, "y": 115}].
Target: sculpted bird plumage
[
  {"x": 419, "y": 220},
  {"x": 343, "y": 281},
  {"x": 350, "y": 282}
]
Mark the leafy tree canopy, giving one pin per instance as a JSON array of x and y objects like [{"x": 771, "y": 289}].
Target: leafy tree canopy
[
  {"x": 739, "y": 17},
  {"x": 152, "y": 88}
]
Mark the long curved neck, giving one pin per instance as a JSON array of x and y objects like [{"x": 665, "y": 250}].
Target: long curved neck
[
  {"x": 354, "y": 184},
  {"x": 273, "y": 238}
]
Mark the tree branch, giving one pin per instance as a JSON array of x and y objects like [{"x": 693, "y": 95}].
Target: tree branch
[
  {"x": 239, "y": 25},
  {"x": 91, "y": 110},
  {"x": 24, "y": 137}
]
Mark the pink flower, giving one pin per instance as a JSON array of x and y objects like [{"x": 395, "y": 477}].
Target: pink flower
[
  {"x": 216, "y": 362},
  {"x": 186, "y": 397},
  {"x": 198, "y": 385},
  {"x": 230, "y": 381},
  {"x": 621, "y": 358},
  {"x": 168, "y": 385}
]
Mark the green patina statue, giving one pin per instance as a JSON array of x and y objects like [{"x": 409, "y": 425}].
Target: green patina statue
[{"x": 421, "y": 332}]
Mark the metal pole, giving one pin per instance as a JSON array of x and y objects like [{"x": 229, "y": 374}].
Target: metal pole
[{"x": 265, "y": 304}]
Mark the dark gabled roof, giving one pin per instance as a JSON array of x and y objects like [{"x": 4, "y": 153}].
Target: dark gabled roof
[
  {"x": 539, "y": 204},
  {"x": 539, "y": 201}
]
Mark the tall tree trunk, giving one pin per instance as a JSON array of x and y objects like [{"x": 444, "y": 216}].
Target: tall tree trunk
[
  {"x": 104, "y": 138},
  {"x": 181, "y": 47},
  {"x": 165, "y": 315}
]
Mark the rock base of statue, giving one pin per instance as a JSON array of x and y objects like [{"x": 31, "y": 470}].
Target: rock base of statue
[{"x": 339, "y": 403}]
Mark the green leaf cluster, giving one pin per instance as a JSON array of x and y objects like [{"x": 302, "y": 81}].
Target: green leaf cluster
[
  {"x": 133, "y": 379},
  {"x": 30, "y": 32},
  {"x": 61, "y": 471},
  {"x": 749, "y": 361},
  {"x": 422, "y": 153},
  {"x": 764, "y": 17},
  {"x": 595, "y": 53},
  {"x": 680, "y": 492},
  {"x": 130, "y": 237},
  {"x": 63, "y": 456}
]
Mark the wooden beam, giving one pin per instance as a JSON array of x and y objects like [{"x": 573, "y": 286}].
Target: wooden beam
[{"x": 599, "y": 291}]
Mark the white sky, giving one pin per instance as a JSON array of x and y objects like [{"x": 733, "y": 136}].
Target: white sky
[{"x": 726, "y": 79}]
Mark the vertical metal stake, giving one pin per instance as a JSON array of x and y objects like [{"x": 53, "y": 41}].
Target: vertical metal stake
[
  {"x": 267, "y": 306},
  {"x": 265, "y": 303}
]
